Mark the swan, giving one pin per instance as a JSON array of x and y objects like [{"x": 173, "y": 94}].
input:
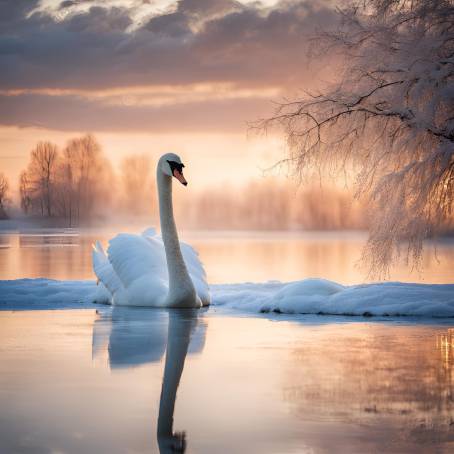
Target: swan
[{"x": 149, "y": 269}]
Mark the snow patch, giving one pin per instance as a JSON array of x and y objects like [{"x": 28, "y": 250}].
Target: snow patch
[
  {"x": 310, "y": 296},
  {"x": 26, "y": 294}
]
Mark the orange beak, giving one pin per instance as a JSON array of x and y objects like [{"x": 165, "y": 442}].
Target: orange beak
[{"x": 179, "y": 176}]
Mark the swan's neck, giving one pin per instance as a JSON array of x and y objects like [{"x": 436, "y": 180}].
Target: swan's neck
[{"x": 181, "y": 288}]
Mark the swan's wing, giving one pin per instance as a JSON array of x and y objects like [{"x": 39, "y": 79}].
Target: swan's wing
[
  {"x": 104, "y": 271},
  {"x": 134, "y": 256},
  {"x": 192, "y": 260},
  {"x": 197, "y": 272},
  {"x": 190, "y": 255}
]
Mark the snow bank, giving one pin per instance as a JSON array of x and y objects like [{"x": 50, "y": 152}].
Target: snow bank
[
  {"x": 23, "y": 294},
  {"x": 310, "y": 296},
  {"x": 318, "y": 296}
]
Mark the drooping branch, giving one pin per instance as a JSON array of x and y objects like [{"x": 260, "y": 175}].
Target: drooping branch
[{"x": 391, "y": 114}]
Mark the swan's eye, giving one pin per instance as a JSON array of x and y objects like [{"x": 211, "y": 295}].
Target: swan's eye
[{"x": 176, "y": 166}]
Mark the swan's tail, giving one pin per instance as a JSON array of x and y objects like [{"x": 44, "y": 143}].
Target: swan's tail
[
  {"x": 104, "y": 271},
  {"x": 98, "y": 257}
]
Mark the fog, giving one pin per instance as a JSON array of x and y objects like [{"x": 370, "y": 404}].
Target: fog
[{"x": 77, "y": 186}]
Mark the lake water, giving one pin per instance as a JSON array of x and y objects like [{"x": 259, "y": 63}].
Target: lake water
[
  {"x": 130, "y": 380},
  {"x": 229, "y": 257},
  {"x": 76, "y": 381}
]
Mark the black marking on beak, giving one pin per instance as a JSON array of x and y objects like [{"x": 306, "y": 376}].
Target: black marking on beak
[
  {"x": 175, "y": 166},
  {"x": 177, "y": 171}
]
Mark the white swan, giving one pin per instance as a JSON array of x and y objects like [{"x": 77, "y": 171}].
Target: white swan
[{"x": 150, "y": 270}]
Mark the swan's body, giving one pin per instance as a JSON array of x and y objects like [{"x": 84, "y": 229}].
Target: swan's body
[{"x": 149, "y": 269}]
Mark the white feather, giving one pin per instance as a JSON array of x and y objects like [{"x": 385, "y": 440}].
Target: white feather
[
  {"x": 135, "y": 269},
  {"x": 104, "y": 271}
]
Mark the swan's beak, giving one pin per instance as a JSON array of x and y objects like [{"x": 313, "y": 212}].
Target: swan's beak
[{"x": 179, "y": 176}]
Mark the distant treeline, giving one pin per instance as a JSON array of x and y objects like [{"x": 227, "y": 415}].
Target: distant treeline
[
  {"x": 71, "y": 183},
  {"x": 78, "y": 185}
]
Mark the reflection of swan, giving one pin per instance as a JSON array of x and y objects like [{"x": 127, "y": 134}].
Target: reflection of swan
[
  {"x": 147, "y": 270},
  {"x": 137, "y": 336},
  {"x": 181, "y": 324}
]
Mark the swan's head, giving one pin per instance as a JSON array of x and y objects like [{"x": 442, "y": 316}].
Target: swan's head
[{"x": 171, "y": 165}]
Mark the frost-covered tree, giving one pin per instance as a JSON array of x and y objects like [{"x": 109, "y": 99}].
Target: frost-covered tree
[{"x": 390, "y": 116}]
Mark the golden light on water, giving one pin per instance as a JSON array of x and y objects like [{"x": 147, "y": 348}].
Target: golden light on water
[
  {"x": 445, "y": 344},
  {"x": 227, "y": 256}
]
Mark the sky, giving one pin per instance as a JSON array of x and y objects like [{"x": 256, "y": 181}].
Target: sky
[{"x": 150, "y": 76}]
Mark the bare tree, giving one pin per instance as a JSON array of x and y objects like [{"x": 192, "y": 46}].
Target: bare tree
[
  {"x": 390, "y": 114},
  {"x": 68, "y": 184},
  {"x": 25, "y": 192},
  {"x": 64, "y": 199},
  {"x": 4, "y": 187},
  {"x": 40, "y": 175},
  {"x": 86, "y": 177}
]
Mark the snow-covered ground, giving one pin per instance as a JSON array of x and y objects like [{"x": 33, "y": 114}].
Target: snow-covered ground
[{"x": 310, "y": 296}]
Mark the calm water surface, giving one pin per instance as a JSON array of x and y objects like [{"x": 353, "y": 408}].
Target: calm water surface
[
  {"x": 229, "y": 257},
  {"x": 82, "y": 382},
  {"x": 129, "y": 380}
]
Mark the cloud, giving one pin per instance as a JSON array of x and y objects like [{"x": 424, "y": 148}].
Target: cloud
[
  {"x": 196, "y": 42},
  {"x": 94, "y": 49},
  {"x": 75, "y": 113}
]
